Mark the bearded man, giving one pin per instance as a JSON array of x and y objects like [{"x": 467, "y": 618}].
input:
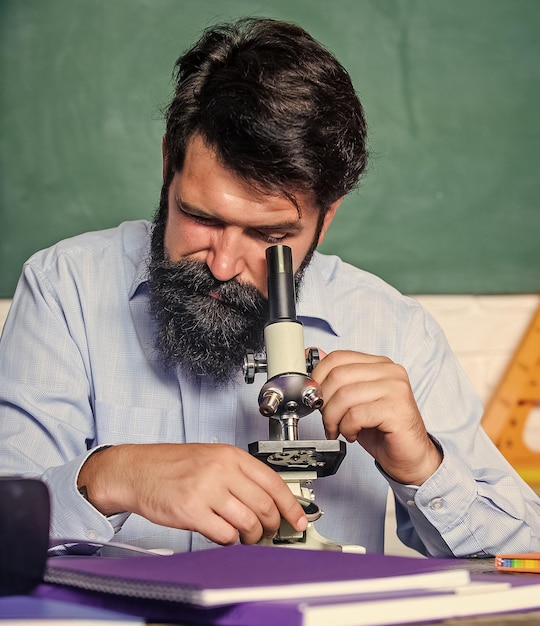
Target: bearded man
[{"x": 121, "y": 361}]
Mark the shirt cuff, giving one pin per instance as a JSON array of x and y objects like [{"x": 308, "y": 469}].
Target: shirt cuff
[
  {"x": 438, "y": 506},
  {"x": 117, "y": 520},
  {"x": 73, "y": 516}
]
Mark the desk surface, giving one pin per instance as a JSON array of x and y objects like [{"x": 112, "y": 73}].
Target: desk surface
[
  {"x": 507, "y": 619},
  {"x": 487, "y": 566}
]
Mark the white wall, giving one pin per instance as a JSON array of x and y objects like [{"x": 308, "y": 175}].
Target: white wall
[
  {"x": 4, "y": 308},
  {"x": 483, "y": 331}
]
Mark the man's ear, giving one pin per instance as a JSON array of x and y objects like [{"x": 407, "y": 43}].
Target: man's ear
[
  {"x": 329, "y": 216},
  {"x": 164, "y": 157}
]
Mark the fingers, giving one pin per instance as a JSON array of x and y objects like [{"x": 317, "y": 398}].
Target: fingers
[
  {"x": 249, "y": 511},
  {"x": 357, "y": 389},
  {"x": 268, "y": 498},
  {"x": 231, "y": 520},
  {"x": 342, "y": 359}
]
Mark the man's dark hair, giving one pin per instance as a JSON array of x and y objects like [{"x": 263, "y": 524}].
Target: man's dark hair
[{"x": 276, "y": 106}]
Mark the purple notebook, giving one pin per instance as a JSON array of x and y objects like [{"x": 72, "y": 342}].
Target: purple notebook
[
  {"x": 498, "y": 594},
  {"x": 235, "y": 574}
]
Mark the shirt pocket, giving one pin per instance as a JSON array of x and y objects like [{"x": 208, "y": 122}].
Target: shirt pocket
[{"x": 117, "y": 424}]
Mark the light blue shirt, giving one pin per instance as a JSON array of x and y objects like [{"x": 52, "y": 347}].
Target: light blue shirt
[{"x": 78, "y": 370}]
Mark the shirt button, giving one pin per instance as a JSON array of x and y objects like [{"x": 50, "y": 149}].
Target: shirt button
[
  {"x": 436, "y": 504},
  {"x": 91, "y": 534},
  {"x": 215, "y": 439},
  {"x": 410, "y": 503}
]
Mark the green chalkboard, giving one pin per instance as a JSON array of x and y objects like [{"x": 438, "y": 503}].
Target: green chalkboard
[{"x": 450, "y": 203}]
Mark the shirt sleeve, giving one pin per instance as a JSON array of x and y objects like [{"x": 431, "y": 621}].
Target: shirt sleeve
[
  {"x": 75, "y": 517},
  {"x": 47, "y": 427},
  {"x": 467, "y": 513},
  {"x": 475, "y": 504}
]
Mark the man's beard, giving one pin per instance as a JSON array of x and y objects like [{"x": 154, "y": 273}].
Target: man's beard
[
  {"x": 205, "y": 335},
  {"x": 205, "y": 326}
]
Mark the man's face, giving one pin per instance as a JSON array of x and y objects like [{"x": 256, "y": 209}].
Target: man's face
[
  {"x": 219, "y": 220},
  {"x": 208, "y": 292}
]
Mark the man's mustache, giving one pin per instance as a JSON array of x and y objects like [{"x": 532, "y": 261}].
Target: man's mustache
[{"x": 199, "y": 280}]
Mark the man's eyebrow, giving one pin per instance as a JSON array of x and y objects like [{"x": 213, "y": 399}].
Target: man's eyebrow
[
  {"x": 294, "y": 225},
  {"x": 181, "y": 204}
]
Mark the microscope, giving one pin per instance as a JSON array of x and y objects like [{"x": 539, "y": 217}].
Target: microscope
[{"x": 288, "y": 395}]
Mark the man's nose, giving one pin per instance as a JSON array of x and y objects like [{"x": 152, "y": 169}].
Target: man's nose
[{"x": 225, "y": 257}]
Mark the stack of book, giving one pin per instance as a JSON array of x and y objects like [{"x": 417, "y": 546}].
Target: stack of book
[{"x": 264, "y": 586}]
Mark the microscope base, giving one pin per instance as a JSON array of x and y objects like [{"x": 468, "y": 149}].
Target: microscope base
[{"x": 310, "y": 539}]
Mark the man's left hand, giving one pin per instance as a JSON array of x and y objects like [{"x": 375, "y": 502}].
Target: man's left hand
[{"x": 369, "y": 399}]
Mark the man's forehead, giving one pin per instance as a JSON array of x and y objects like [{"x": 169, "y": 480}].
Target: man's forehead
[
  {"x": 212, "y": 201},
  {"x": 202, "y": 163}
]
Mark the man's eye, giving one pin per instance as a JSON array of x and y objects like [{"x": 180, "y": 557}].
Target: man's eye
[
  {"x": 207, "y": 221},
  {"x": 268, "y": 238}
]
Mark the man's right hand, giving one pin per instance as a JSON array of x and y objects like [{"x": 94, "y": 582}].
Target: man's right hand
[{"x": 217, "y": 490}]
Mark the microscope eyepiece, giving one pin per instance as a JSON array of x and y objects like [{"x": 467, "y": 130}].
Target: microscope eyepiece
[{"x": 281, "y": 295}]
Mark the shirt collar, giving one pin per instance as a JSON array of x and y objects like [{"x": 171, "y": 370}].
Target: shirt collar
[
  {"x": 315, "y": 301},
  {"x": 136, "y": 263}
]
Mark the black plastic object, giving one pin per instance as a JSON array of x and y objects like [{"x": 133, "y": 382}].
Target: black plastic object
[
  {"x": 24, "y": 533},
  {"x": 281, "y": 297},
  {"x": 321, "y": 456}
]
